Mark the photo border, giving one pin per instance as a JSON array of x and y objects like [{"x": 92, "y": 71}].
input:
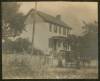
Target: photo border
[{"x": 48, "y": 1}]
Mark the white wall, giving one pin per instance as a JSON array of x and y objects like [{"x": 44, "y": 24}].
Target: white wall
[
  {"x": 41, "y": 33},
  {"x": 41, "y": 36}
]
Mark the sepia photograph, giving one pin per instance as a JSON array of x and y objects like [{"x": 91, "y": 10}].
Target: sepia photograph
[{"x": 49, "y": 40}]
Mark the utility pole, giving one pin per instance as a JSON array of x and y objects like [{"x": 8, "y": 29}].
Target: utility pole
[{"x": 34, "y": 23}]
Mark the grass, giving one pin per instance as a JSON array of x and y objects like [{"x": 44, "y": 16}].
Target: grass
[{"x": 19, "y": 66}]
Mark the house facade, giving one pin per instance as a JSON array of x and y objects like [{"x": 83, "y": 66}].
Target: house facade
[{"x": 50, "y": 34}]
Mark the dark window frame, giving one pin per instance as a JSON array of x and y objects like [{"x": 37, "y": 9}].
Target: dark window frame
[
  {"x": 59, "y": 44},
  {"x": 64, "y": 31},
  {"x": 59, "y": 29},
  {"x": 50, "y": 27},
  {"x": 55, "y": 28},
  {"x": 50, "y": 43}
]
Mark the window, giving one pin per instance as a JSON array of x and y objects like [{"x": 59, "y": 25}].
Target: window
[
  {"x": 67, "y": 31},
  {"x": 55, "y": 28},
  {"x": 50, "y": 27},
  {"x": 50, "y": 43},
  {"x": 59, "y": 43},
  {"x": 64, "y": 31},
  {"x": 63, "y": 44},
  {"x": 59, "y": 30}
]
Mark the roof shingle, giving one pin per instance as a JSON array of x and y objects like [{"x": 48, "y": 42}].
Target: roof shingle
[{"x": 49, "y": 18}]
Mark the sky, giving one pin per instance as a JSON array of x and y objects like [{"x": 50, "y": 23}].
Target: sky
[{"x": 72, "y": 13}]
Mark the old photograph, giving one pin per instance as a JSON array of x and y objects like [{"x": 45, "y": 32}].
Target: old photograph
[{"x": 49, "y": 40}]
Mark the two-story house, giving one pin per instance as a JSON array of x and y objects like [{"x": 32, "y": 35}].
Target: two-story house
[{"x": 50, "y": 33}]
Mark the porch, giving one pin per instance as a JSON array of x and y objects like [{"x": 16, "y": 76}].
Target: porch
[{"x": 61, "y": 50}]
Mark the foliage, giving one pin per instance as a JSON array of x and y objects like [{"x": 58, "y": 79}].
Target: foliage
[
  {"x": 73, "y": 41},
  {"x": 89, "y": 41},
  {"x": 38, "y": 52},
  {"x": 12, "y": 19},
  {"x": 22, "y": 45},
  {"x": 86, "y": 45},
  {"x": 7, "y": 46},
  {"x": 19, "y": 45}
]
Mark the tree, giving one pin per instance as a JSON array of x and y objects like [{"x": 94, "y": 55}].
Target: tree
[
  {"x": 12, "y": 23},
  {"x": 89, "y": 40},
  {"x": 7, "y": 46},
  {"x": 74, "y": 42},
  {"x": 85, "y": 47},
  {"x": 21, "y": 45},
  {"x": 12, "y": 19},
  {"x": 18, "y": 46}
]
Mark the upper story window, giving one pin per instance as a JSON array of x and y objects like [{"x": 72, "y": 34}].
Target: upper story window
[
  {"x": 50, "y": 27},
  {"x": 59, "y": 30},
  {"x": 55, "y": 28},
  {"x": 64, "y": 31}
]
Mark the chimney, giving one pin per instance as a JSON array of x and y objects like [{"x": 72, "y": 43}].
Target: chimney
[{"x": 58, "y": 17}]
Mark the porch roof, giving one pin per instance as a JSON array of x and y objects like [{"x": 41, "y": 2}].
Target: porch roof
[{"x": 59, "y": 38}]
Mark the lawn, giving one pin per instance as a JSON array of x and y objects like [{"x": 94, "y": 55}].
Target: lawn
[{"x": 21, "y": 66}]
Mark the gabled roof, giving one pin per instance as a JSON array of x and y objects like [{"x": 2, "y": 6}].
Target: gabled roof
[{"x": 49, "y": 18}]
